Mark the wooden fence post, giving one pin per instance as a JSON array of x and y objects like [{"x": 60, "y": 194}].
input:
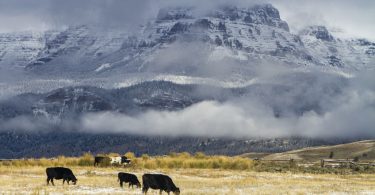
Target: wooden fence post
[{"x": 291, "y": 162}]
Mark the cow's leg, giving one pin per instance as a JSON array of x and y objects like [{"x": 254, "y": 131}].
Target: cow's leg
[
  {"x": 68, "y": 181},
  {"x": 160, "y": 192},
  {"x": 63, "y": 181},
  {"x": 121, "y": 183},
  {"x": 144, "y": 190},
  {"x": 47, "y": 181},
  {"x": 52, "y": 182}
]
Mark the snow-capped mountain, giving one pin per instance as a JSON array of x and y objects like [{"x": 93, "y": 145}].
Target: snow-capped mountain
[
  {"x": 242, "y": 34},
  {"x": 223, "y": 47}
]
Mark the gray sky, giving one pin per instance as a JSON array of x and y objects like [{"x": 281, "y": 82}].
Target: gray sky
[{"x": 353, "y": 17}]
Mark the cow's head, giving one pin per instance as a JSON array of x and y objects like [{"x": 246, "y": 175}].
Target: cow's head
[
  {"x": 73, "y": 179},
  {"x": 139, "y": 185},
  {"x": 176, "y": 191}
]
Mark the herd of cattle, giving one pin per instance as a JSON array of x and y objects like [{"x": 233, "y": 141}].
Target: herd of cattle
[{"x": 154, "y": 181}]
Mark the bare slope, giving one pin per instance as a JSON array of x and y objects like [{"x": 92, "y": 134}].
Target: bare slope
[{"x": 365, "y": 150}]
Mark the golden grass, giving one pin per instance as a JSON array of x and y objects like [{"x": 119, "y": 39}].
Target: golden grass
[
  {"x": 91, "y": 180},
  {"x": 194, "y": 174},
  {"x": 172, "y": 161}
]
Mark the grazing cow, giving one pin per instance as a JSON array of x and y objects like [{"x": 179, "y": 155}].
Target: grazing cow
[
  {"x": 101, "y": 159},
  {"x": 159, "y": 182},
  {"x": 128, "y": 178},
  {"x": 60, "y": 173}
]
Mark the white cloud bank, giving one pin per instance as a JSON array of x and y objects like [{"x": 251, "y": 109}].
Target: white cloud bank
[
  {"x": 353, "y": 115},
  {"x": 349, "y": 113}
]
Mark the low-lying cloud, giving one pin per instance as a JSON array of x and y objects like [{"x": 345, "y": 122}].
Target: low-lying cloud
[
  {"x": 349, "y": 113},
  {"x": 352, "y": 117}
]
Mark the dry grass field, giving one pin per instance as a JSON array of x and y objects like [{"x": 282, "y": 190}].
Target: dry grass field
[
  {"x": 91, "y": 180},
  {"x": 199, "y": 174}
]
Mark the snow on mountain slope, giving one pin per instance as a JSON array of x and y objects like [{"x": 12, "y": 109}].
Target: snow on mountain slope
[
  {"x": 17, "y": 49},
  {"x": 244, "y": 35},
  {"x": 225, "y": 47},
  {"x": 75, "y": 50},
  {"x": 350, "y": 54}
]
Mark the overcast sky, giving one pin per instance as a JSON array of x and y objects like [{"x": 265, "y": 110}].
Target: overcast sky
[{"x": 352, "y": 17}]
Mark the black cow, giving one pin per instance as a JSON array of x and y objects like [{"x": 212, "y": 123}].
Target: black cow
[
  {"x": 101, "y": 159},
  {"x": 159, "y": 182},
  {"x": 128, "y": 178},
  {"x": 125, "y": 159},
  {"x": 60, "y": 173}
]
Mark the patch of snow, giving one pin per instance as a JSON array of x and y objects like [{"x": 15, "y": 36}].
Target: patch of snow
[
  {"x": 103, "y": 67},
  {"x": 189, "y": 80}
]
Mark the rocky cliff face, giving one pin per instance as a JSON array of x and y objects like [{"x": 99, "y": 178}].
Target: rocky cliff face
[
  {"x": 239, "y": 33},
  {"x": 17, "y": 49}
]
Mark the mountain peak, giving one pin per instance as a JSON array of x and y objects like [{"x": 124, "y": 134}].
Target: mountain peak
[
  {"x": 320, "y": 32},
  {"x": 258, "y": 14},
  {"x": 175, "y": 13},
  {"x": 264, "y": 14}
]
